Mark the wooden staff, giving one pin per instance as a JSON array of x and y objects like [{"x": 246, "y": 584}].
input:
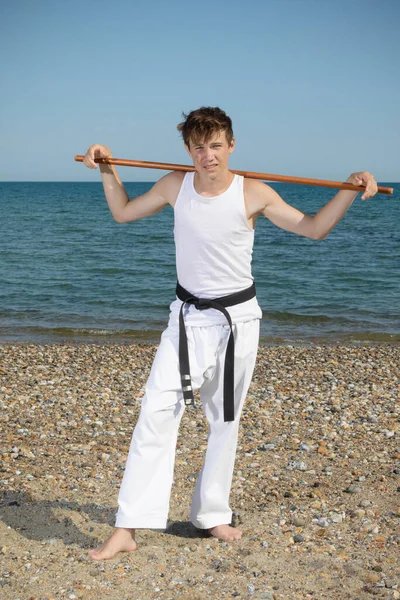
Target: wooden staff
[{"x": 250, "y": 174}]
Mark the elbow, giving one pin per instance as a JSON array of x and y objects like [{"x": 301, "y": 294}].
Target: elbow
[
  {"x": 121, "y": 218},
  {"x": 316, "y": 229},
  {"x": 319, "y": 235}
]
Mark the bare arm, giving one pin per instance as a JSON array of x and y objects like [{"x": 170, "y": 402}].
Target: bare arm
[
  {"x": 262, "y": 199},
  {"x": 164, "y": 192}
]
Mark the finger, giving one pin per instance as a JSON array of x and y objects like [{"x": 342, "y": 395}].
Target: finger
[
  {"x": 370, "y": 190},
  {"x": 372, "y": 187},
  {"x": 362, "y": 181},
  {"x": 366, "y": 194},
  {"x": 89, "y": 162},
  {"x": 91, "y": 157}
]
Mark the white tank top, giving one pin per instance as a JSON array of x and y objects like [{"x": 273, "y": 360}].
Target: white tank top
[{"x": 214, "y": 247}]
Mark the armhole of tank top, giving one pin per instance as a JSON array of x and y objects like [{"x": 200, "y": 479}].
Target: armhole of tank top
[
  {"x": 242, "y": 204},
  {"x": 185, "y": 183}
]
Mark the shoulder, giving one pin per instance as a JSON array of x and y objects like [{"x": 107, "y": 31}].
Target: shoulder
[
  {"x": 170, "y": 184},
  {"x": 173, "y": 178},
  {"x": 253, "y": 185},
  {"x": 257, "y": 194}
]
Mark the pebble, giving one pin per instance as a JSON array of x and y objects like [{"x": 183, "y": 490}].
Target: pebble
[
  {"x": 364, "y": 503},
  {"x": 298, "y": 522},
  {"x": 336, "y": 517},
  {"x": 304, "y": 447},
  {"x": 389, "y": 433},
  {"x": 372, "y": 577},
  {"x": 370, "y": 527},
  {"x": 321, "y": 522},
  {"x": 298, "y": 465},
  {"x": 270, "y": 446},
  {"x": 353, "y": 489}
]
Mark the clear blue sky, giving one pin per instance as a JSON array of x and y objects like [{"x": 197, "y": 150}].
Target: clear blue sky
[{"x": 312, "y": 86}]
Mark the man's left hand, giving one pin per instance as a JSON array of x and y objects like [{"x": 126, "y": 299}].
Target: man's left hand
[{"x": 365, "y": 179}]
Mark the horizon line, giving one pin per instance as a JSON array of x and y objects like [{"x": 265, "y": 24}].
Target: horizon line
[{"x": 147, "y": 181}]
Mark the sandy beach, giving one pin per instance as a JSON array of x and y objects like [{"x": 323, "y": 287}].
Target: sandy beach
[{"x": 316, "y": 487}]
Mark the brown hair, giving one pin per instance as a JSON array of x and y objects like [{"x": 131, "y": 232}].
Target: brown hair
[{"x": 203, "y": 123}]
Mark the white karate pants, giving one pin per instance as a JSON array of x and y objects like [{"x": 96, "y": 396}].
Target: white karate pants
[{"x": 146, "y": 486}]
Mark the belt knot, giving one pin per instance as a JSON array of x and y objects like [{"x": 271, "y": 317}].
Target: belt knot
[{"x": 202, "y": 303}]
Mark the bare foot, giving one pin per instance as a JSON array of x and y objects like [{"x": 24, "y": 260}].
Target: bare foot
[
  {"x": 122, "y": 540},
  {"x": 226, "y": 533}
]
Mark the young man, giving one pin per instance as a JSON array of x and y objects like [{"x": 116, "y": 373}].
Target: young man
[{"x": 212, "y": 336}]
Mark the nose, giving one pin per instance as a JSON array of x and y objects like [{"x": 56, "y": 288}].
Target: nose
[{"x": 208, "y": 154}]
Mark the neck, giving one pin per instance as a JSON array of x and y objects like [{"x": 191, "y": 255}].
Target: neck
[{"x": 212, "y": 185}]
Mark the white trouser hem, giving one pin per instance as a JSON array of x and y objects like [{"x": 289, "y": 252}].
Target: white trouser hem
[
  {"x": 213, "y": 521},
  {"x": 141, "y": 523}
]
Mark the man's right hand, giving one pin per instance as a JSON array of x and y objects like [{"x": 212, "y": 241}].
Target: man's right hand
[{"x": 96, "y": 151}]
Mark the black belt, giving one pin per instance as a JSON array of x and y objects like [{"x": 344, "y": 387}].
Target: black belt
[{"x": 203, "y": 304}]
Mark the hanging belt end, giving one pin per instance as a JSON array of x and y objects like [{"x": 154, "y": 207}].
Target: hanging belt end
[{"x": 187, "y": 390}]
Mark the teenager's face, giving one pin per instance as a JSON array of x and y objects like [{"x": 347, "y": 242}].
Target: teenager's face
[{"x": 211, "y": 157}]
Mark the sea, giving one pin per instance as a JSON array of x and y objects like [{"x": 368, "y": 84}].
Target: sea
[{"x": 70, "y": 274}]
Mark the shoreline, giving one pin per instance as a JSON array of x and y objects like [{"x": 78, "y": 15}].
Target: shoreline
[{"x": 152, "y": 338}]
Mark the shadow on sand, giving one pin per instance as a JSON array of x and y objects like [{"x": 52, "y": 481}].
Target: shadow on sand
[{"x": 49, "y": 520}]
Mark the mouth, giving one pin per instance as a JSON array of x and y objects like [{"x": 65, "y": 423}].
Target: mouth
[{"x": 210, "y": 167}]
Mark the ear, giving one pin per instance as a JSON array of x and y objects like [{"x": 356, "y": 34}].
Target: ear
[
  {"x": 187, "y": 149},
  {"x": 232, "y": 146}
]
